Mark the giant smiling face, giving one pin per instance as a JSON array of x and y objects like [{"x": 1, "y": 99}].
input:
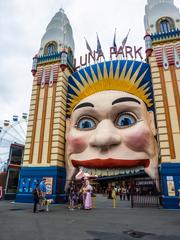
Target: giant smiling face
[{"x": 111, "y": 130}]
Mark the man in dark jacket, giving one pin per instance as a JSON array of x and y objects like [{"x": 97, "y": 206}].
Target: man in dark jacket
[{"x": 36, "y": 195}]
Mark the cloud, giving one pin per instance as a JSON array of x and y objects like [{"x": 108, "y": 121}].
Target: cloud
[{"x": 23, "y": 24}]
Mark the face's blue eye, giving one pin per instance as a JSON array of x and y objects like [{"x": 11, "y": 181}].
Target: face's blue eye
[
  {"x": 125, "y": 120},
  {"x": 86, "y": 124}
]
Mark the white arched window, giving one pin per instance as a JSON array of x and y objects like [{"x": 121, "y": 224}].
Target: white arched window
[
  {"x": 165, "y": 26},
  {"x": 50, "y": 49}
]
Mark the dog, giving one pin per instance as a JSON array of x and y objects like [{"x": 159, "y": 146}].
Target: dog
[{"x": 47, "y": 202}]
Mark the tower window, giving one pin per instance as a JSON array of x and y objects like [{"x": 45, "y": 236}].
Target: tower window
[
  {"x": 50, "y": 48},
  {"x": 164, "y": 25}
]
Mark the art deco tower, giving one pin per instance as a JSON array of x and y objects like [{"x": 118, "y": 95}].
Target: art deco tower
[
  {"x": 162, "y": 25},
  {"x": 44, "y": 149}
]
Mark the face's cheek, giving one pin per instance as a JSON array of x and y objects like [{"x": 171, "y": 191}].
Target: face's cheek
[
  {"x": 138, "y": 139},
  {"x": 76, "y": 143}
]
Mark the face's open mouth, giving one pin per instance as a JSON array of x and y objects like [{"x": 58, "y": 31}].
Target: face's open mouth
[
  {"x": 109, "y": 167},
  {"x": 110, "y": 163}
]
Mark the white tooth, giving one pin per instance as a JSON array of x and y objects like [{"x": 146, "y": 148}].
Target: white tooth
[
  {"x": 116, "y": 172},
  {"x": 104, "y": 172},
  {"x": 87, "y": 170},
  {"x": 92, "y": 171},
  {"x": 99, "y": 172},
  {"x": 109, "y": 172}
]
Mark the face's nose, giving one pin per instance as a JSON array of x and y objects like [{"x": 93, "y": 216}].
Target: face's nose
[{"x": 105, "y": 135}]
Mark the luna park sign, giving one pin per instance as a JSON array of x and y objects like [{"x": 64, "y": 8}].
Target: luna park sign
[{"x": 126, "y": 52}]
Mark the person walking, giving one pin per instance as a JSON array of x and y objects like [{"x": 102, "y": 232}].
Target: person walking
[
  {"x": 88, "y": 199},
  {"x": 114, "y": 197},
  {"x": 36, "y": 197}
]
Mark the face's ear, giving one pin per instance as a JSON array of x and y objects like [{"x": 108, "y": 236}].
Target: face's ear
[
  {"x": 152, "y": 122},
  {"x": 68, "y": 123}
]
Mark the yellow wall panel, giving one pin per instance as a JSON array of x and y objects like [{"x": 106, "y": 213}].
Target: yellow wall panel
[
  {"x": 161, "y": 123},
  {"x": 29, "y": 134},
  {"x": 159, "y": 104},
  {"x": 31, "y": 118},
  {"x": 32, "y": 109},
  {"x": 33, "y": 102},
  {"x": 157, "y": 86},
  {"x": 57, "y": 157},
  {"x": 27, "y": 146},
  {"x": 163, "y": 137},
  {"x": 154, "y": 69},
  {"x": 48, "y": 109},
  {"x": 177, "y": 145},
  {"x": 162, "y": 130},
  {"x": 178, "y": 74},
  {"x": 29, "y": 129},
  {"x": 165, "y": 151},
  {"x": 45, "y": 152},
  {"x": 164, "y": 144},
  {"x": 35, "y": 153},
  {"x": 170, "y": 94},
  {"x": 58, "y": 144},
  {"x": 26, "y": 151},
  {"x": 57, "y": 150},
  {"x": 57, "y": 163},
  {"x": 26, "y": 158},
  {"x": 167, "y": 76},
  {"x": 41, "y": 95},
  {"x": 160, "y": 117},
  {"x": 38, "y": 129},
  {"x": 174, "y": 119},
  {"x": 59, "y": 114},
  {"x": 153, "y": 64},
  {"x": 50, "y": 92},
  {"x": 58, "y": 138},
  {"x": 157, "y": 92},
  {"x": 46, "y": 130},
  {"x": 159, "y": 110},
  {"x": 155, "y": 75},
  {"x": 166, "y": 159},
  {"x": 40, "y": 109},
  {"x": 158, "y": 98}
]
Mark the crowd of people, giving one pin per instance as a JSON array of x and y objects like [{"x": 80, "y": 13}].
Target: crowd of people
[
  {"x": 80, "y": 197},
  {"x": 123, "y": 192}
]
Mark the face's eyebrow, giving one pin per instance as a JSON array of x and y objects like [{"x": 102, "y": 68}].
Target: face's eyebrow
[
  {"x": 125, "y": 99},
  {"x": 86, "y": 104}
]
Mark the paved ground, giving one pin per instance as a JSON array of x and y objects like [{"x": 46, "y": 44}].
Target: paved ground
[{"x": 17, "y": 222}]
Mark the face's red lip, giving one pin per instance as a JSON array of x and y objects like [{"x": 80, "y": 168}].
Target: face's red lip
[{"x": 110, "y": 163}]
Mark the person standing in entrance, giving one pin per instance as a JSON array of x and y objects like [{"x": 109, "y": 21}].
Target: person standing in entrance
[
  {"x": 88, "y": 199},
  {"x": 36, "y": 195}
]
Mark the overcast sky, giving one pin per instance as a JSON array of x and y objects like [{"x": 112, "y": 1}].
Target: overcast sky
[{"x": 23, "y": 24}]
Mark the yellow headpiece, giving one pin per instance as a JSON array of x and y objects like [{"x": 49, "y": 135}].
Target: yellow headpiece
[{"x": 123, "y": 75}]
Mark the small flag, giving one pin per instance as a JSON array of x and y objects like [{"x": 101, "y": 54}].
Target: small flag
[
  {"x": 99, "y": 49},
  {"x": 24, "y": 115},
  {"x": 125, "y": 40},
  {"x": 15, "y": 118},
  {"x": 88, "y": 46},
  {"x": 114, "y": 40}
]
